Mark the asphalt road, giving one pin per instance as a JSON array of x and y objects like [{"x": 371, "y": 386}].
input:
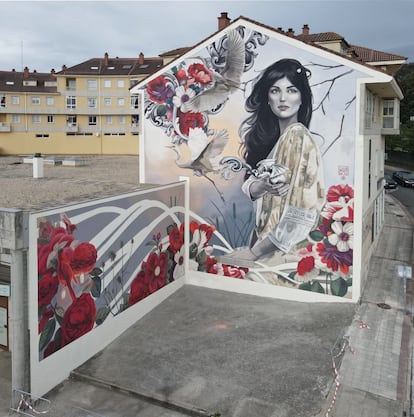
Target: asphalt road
[{"x": 403, "y": 194}]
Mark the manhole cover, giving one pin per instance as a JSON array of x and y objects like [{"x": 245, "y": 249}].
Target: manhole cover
[{"x": 384, "y": 306}]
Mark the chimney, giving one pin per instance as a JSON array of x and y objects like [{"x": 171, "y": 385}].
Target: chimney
[
  {"x": 106, "y": 59},
  {"x": 305, "y": 30},
  {"x": 26, "y": 72},
  {"x": 52, "y": 74},
  {"x": 141, "y": 58},
  {"x": 223, "y": 21},
  {"x": 64, "y": 68},
  {"x": 280, "y": 29},
  {"x": 291, "y": 32}
]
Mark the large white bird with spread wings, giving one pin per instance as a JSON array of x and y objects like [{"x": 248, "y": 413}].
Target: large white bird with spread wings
[
  {"x": 204, "y": 154},
  {"x": 225, "y": 83}
]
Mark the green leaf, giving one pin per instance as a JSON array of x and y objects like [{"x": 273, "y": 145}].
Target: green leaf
[
  {"x": 305, "y": 286},
  {"x": 47, "y": 334},
  {"x": 339, "y": 287},
  {"x": 349, "y": 282},
  {"x": 101, "y": 315},
  {"x": 171, "y": 227},
  {"x": 193, "y": 250},
  {"x": 317, "y": 287},
  {"x": 316, "y": 235},
  {"x": 96, "y": 287}
]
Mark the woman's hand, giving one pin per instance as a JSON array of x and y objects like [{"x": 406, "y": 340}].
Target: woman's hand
[{"x": 262, "y": 186}]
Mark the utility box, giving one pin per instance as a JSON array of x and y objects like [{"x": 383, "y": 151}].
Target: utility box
[{"x": 37, "y": 166}]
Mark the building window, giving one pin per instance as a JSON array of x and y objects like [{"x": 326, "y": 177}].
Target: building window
[
  {"x": 388, "y": 114},
  {"x": 108, "y": 120},
  {"x": 71, "y": 102},
  {"x": 369, "y": 109},
  {"x": 42, "y": 135},
  {"x": 133, "y": 81},
  {"x": 2, "y": 101},
  {"x": 107, "y": 101},
  {"x": 15, "y": 100},
  {"x": 35, "y": 100},
  {"x": 16, "y": 118},
  {"x": 107, "y": 83},
  {"x": 134, "y": 120},
  {"x": 134, "y": 102},
  {"x": 36, "y": 118},
  {"x": 71, "y": 121},
  {"x": 92, "y": 120},
  {"x": 71, "y": 84},
  {"x": 120, "y": 83},
  {"x": 121, "y": 101},
  {"x": 50, "y": 101},
  {"x": 121, "y": 120},
  {"x": 51, "y": 118},
  {"x": 92, "y": 102},
  {"x": 92, "y": 84}
]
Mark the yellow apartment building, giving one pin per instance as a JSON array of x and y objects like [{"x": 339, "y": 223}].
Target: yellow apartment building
[
  {"x": 88, "y": 109},
  {"x": 84, "y": 109}
]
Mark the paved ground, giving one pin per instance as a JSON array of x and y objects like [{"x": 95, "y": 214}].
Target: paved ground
[{"x": 204, "y": 352}]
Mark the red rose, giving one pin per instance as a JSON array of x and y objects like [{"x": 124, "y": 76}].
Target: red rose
[
  {"x": 47, "y": 287},
  {"x": 189, "y": 121},
  {"x": 156, "y": 271},
  {"x": 200, "y": 73},
  {"x": 78, "y": 319},
  {"x": 306, "y": 265},
  {"x": 235, "y": 271},
  {"x": 341, "y": 191},
  {"x": 176, "y": 239},
  {"x": 83, "y": 258},
  {"x": 139, "y": 289}
]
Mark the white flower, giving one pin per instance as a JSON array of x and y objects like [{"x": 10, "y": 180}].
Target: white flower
[
  {"x": 343, "y": 236},
  {"x": 182, "y": 95}
]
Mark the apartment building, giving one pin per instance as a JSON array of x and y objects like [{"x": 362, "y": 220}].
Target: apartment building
[{"x": 84, "y": 109}]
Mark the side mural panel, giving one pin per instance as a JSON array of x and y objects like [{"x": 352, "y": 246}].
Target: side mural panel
[
  {"x": 267, "y": 130},
  {"x": 96, "y": 260}
]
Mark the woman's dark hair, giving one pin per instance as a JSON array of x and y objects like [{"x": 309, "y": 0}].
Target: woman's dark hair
[{"x": 260, "y": 131}]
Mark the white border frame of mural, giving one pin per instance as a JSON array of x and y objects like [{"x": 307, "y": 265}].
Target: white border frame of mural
[{"x": 59, "y": 364}]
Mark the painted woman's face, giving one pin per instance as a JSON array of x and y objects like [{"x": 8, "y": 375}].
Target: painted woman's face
[{"x": 284, "y": 99}]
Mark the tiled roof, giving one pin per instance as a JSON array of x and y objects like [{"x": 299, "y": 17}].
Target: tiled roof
[
  {"x": 115, "y": 66},
  {"x": 177, "y": 51},
  {"x": 321, "y": 37},
  {"x": 27, "y": 82},
  {"x": 371, "y": 55}
]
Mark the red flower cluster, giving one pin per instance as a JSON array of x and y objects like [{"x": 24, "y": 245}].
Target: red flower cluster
[
  {"x": 331, "y": 244},
  {"x": 175, "y": 87},
  {"x": 60, "y": 263}
]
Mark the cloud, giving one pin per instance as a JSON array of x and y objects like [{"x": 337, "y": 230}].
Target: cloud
[{"x": 45, "y": 35}]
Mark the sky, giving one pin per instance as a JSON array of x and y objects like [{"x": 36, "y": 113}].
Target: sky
[{"x": 48, "y": 34}]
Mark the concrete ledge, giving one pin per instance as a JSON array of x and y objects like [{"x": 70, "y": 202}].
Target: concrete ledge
[{"x": 73, "y": 162}]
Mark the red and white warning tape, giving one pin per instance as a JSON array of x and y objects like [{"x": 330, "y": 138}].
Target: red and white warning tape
[
  {"x": 23, "y": 403},
  {"x": 345, "y": 345}
]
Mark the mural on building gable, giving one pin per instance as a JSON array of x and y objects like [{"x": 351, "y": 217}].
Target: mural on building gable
[{"x": 268, "y": 131}]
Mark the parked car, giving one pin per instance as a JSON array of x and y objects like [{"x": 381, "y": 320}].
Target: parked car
[
  {"x": 389, "y": 183},
  {"x": 405, "y": 178}
]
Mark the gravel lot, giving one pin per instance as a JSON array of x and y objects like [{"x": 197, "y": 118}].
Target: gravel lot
[{"x": 60, "y": 184}]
